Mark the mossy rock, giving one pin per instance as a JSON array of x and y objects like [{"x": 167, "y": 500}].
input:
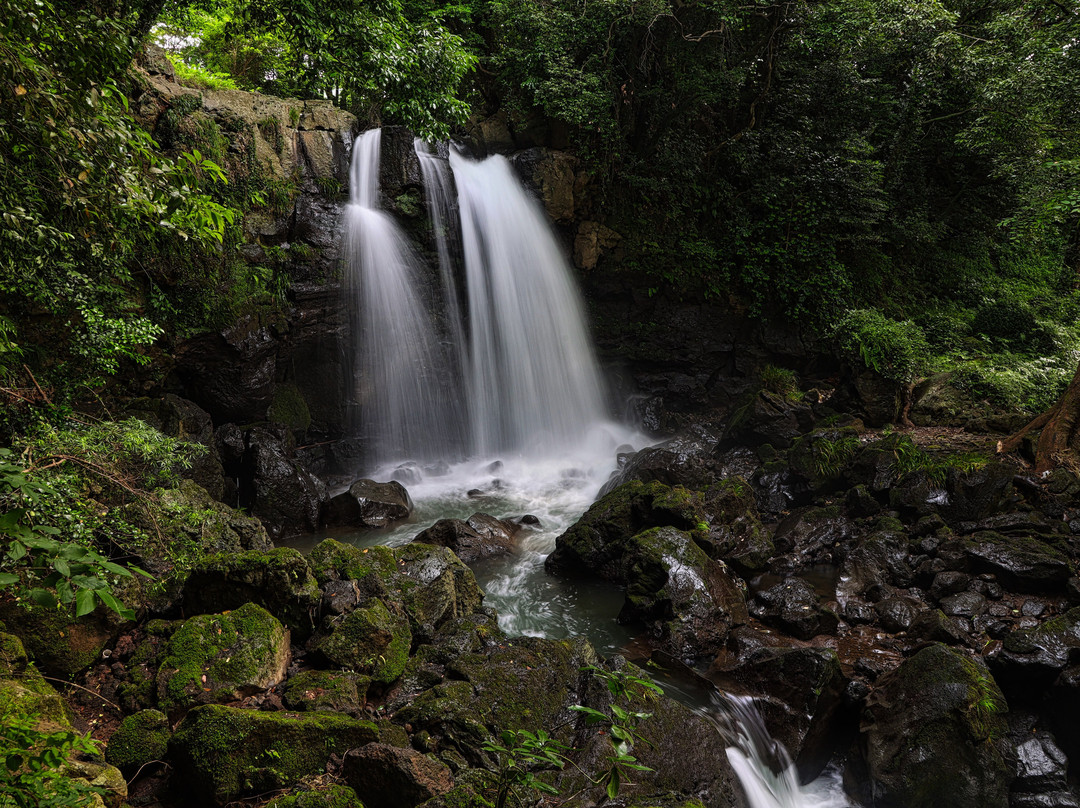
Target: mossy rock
[
  {"x": 336, "y": 691},
  {"x": 735, "y": 533},
  {"x": 372, "y": 640},
  {"x": 189, "y": 513},
  {"x": 222, "y": 753},
  {"x": 430, "y": 583},
  {"x": 1022, "y": 563},
  {"x": 596, "y": 543},
  {"x": 289, "y": 408},
  {"x": 218, "y": 658},
  {"x": 822, "y": 456},
  {"x": 333, "y": 796},
  {"x": 280, "y": 581},
  {"x": 59, "y": 645},
  {"x": 934, "y": 731},
  {"x": 687, "y": 601},
  {"x": 140, "y": 739}
]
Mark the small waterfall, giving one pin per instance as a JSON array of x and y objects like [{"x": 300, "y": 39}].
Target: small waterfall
[
  {"x": 533, "y": 381},
  {"x": 762, "y": 764},
  {"x": 404, "y": 381}
]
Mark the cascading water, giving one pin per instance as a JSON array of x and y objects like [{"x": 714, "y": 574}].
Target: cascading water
[
  {"x": 536, "y": 439},
  {"x": 404, "y": 382}
]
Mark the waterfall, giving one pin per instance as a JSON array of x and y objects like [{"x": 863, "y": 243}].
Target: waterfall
[
  {"x": 762, "y": 764},
  {"x": 533, "y": 381},
  {"x": 403, "y": 379},
  {"x": 504, "y": 366}
]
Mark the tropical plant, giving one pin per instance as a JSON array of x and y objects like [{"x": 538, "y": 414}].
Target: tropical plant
[{"x": 521, "y": 755}]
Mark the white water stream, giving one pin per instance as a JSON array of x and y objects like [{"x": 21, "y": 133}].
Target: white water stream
[{"x": 482, "y": 392}]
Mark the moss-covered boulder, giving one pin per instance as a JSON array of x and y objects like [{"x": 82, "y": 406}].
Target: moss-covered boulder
[
  {"x": 221, "y": 753},
  {"x": 430, "y": 583},
  {"x": 393, "y": 777},
  {"x": 24, "y": 689},
  {"x": 335, "y": 691},
  {"x": 190, "y": 514},
  {"x": 280, "y": 581},
  {"x": 687, "y": 601},
  {"x": 223, "y": 657},
  {"x": 58, "y": 644},
  {"x": 933, "y": 732},
  {"x": 333, "y": 796},
  {"x": 140, "y": 739},
  {"x": 595, "y": 545},
  {"x": 372, "y": 639},
  {"x": 736, "y": 535}
]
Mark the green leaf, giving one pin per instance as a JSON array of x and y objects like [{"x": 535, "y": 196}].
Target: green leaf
[
  {"x": 43, "y": 597},
  {"x": 613, "y": 784},
  {"x": 84, "y": 602},
  {"x": 8, "y": 578}
]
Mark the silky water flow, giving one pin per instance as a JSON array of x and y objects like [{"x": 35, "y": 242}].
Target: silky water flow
[{"x": 481, "y": 391}]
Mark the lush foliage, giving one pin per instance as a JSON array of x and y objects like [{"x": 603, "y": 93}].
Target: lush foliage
[
  {"x": 869, "y": 340},
  {"x": 63, "y": 496},
  {"x": 392, "y": 62},
  {"x": 32, "y": 759},
  {"x": 520, "y": 756}
]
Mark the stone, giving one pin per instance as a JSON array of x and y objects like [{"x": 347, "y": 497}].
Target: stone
[
  {"x": 217, "y": 528},
  {"x": 221, "y": 753},
  {"x": 371, "y": 640},
  {"x": 736, "y": 535},
  {"x": 933, "y": 732},
  {"x": 140, "y": 739},
  {"x": 333, "y": 691},
  {"x": 395, "y": 778},
  {"x": 223, "y": 657},
  {"x": 1021, "y": 563},
  {"x": 481, "y": 536},
  {"x": 286, "y": 497},
  {"x": 792, "y": 606},
  {"x": 897, "y": 613},
  {"x": 369, "y": 504},
  {"x": 1032, "y": 658},
  {"x": 772, "y": 419},
  {"x": 280, "y": 581}
]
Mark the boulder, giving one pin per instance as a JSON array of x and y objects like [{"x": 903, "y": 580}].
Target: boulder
[
  {"x": 221, "y": 753},
  {"x": 772, "y": 419},
  {"x": 933, "y": 734},
  {"x": 792, "y": 606},
  {"x": 978, "y": 493},
  {"x": 285, "y": 496},
  {"x": 371, "y": 640},
  {"x": 58, "y": 644},
  {"x": 369, "y": 504},
  {"x": 223, "y": 657},
  {"x": 280, "y": 581},
  {"x": 334, "y": 691},
  {"x": 217, "y": 528},
  {"x": 179, "y": 418},
  {"x": 331, "y": 796},
  {"x": 1031, "y": 658},
  {"x": 687, "y": 601},
  {"x": 736, "y": 535},
  {"x": 481, "y": 536},
  {"x": 140, "y": 739},
  {"x": 395, "y": 778},
  {"x": 1021, "y": 563},
  {"x": 667, "y": 466}
]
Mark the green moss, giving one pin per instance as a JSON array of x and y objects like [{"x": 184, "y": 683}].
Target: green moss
[
  {"x": 332, "y": 560},
  {"x": 214, "y": 657},
  {"x": 58, "y": 645},
  {"x": 338, "y": 691},
  {"x": 224, "y": 752},
  {"x": 370, "y": 640},
  {"x": 289, "y": 408},
  {"x": 331, "y": 797},
  {"x": 140, "y": 738}
]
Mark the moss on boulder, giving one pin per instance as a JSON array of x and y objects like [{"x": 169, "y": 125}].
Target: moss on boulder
[
  {"x": 217, "y": 658},
  {"x": 337, "y": 691},
  {"x": 372, "y": 640},
  {"x": 58, "y": 644},
  {"x": 140, "y": 739},
  {"x": 222, "y": 752},
  {"x": 333, "y": 796}
]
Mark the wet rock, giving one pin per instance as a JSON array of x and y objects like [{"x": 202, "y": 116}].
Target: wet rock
[
  {"x": 736, "y": 535},
  {"x": 1021, "y": 563},
  {"x": 687, "y": 601},
  {"x": 933, "y": 625},
  {"x": 340, "y": 597},
  {"x": 964, "y": 604},
  {"x": 933, "y": 733},
  {"x": 976, "y": 494},
  {"x": 659, "y": 464},
  {"x": 874, "y": 567},
  {"x": 396, "y": 778},
  {"x": 286, "y": 497},
  {"x": 218, "y": 528},
  {"x": 1032, "y": 658},
  {"x": 861, "y": 503},
  {"x": 880, "y": 398},
  {"x": 280, "y": 581},
  {"x": 222, "y": 753},
  {"x": 1041, "y": 773},
  {"x": 223, "y": 657},
  {"x": 59, "y": 645},
  {"x": 898, "y": 613},
  {"x": 772, "y": 419},
  {"x": 810, "y": 535},
  {"x": 372, "y": 639},
  {"x": 481, "y": 536},
  {"x": 321, "y": 796},
  {"x": 793, "y": 607},
  {"x": 949, "y": 583},
  {"x": 821, "y": 456},
  {"x": 800, "y": 694},
  {"x": 369, "y": 504},
  {"x": 179, "y": 418}
]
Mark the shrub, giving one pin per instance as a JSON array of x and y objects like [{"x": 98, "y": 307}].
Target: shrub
[
  {"x": 1009, "y": 323},
  {"x": 893, "y": 349}
]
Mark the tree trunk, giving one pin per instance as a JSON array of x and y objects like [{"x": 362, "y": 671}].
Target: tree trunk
[{"x": 1059, "y": 441}]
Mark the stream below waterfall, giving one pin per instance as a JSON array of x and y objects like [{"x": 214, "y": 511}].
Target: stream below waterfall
[{"x": 489, "y": 359}]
